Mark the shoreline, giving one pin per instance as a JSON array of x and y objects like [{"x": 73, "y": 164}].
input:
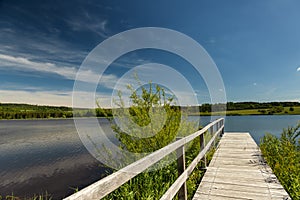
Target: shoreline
[
  {"x": 191, "y": 114},
  {"x": 51, "y": 118}
]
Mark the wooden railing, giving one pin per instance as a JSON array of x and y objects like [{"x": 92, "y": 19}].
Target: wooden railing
[{"x": 110, "y": 183}]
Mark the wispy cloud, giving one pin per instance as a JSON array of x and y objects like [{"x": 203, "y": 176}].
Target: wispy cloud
[
  {"x": 46, "y": 67},
  {"x": 98, "y": 27},
  {"x": 54, "y": 98},
  {"x": 43, "y": 38},
  {"x": 68, "y": 72},
  {"x": 211, "y": 41},
  {"x": 35, "y": 45},
  {"x": 89, "y": 21},
  {"x": 24, "y": 63},
  {"x": 40, "y": 98}
]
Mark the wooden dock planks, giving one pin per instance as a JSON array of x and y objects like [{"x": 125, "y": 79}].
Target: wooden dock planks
[{"x": 237, "y": 171}]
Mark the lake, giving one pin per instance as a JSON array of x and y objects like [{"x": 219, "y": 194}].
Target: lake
[{"x": 47, "y": 155}]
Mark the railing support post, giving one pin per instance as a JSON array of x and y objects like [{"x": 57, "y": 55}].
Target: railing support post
[
  {"x": 211, "y": 130},
  {"x": 222, "y": 133},
  {"x": 182, "y": 193},
  {"x": 218, "y": 127},
  {"x": 202, "y": 145}
]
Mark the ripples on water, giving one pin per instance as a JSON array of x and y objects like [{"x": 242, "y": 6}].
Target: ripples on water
[
  {"x": 47, "y": 155},
  {"x": 44, "y": 155}
]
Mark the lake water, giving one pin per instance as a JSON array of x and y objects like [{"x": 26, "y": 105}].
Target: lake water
[{"x": 47, "y": 155}]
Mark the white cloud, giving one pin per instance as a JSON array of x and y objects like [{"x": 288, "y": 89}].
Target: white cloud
[
  {"x": 40, "y": 98},
  {"x": 67, "y": 72},
  {"x": 54, "y": 98},
  {"x": 98, "y": 27},
  {"x": 211, "y": 41},
  {"x": 298, "y": 69},
  {"x": 24, "y": 63},
  {"x": 146, "y": 73}
]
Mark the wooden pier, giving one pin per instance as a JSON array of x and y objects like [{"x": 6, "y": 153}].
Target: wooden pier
[{"x": 237, "y": 171}]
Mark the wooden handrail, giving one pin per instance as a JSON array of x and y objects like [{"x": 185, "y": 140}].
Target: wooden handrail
[{"x": 110, "y": 183}]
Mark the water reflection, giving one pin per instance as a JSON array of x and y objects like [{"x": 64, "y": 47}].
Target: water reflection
[
  {"x": 44, "y": 155},
  {"x": 47, "y": 155}
]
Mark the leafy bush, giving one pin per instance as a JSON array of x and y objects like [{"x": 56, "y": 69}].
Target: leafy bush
[
  {"x": 283, "y": 156},
  {"x": 153, "y": 106}
]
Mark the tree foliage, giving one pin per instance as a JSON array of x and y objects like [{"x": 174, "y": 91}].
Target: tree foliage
[
  {"x": 151, "y": 122},
  {"x": 26, "y": 111}
]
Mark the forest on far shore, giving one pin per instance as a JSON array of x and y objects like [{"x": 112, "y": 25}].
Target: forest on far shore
[{"x": 27, "y": 111}]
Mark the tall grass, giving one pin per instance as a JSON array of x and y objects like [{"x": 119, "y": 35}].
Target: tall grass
[
  {"x": 151, "y": 185},
  {"x": 45, "y": 196},
  {"x": 151, "y": 105},
  {"x": 283, "y": 156}
]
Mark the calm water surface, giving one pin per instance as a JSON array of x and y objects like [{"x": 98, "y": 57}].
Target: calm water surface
[
  {"x": 44, "y": 155},
  {"x": 47, "y": 155}
]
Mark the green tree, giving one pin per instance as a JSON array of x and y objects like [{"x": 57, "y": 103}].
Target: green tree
[{"x": 151, "y": 122}]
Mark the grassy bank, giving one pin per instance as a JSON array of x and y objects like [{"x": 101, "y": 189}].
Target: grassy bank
[
  {"x": 283, "y": 156},
  {"x": 265, "y": 111}
]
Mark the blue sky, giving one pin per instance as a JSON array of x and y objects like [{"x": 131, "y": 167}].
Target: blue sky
[{"x": 255, "y": 45}]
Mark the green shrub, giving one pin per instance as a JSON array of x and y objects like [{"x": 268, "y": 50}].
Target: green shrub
[
  {"x": 146, "y": 108},
  {"x": 283, "y": 156}
]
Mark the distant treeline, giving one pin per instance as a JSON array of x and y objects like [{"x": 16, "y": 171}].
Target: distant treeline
[
  {"x": 27, "y": 111},
  {"x": 230, "y": 106},
  {"x": 256, "y": 105}
]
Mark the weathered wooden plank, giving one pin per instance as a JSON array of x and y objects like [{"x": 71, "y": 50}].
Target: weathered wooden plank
[
  {"x": 234, "y": 187},
  {"x": 215, "y": 197},
  {"x": 237, "y": 171}
]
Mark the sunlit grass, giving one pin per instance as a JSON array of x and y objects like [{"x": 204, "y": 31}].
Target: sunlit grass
[
  {"x": 283, "y": 156},
  {"x": 285, "y": 111},
  {"x": 45, "y": 196},
  {"x": 153, "y": 184}
]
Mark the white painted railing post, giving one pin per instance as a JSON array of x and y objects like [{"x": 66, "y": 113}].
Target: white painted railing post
[
  {"x": 202, "y": 145},
  {"x": 211, "y": 130},
  {"x": 222, "y": 132},
  {"x": 182, "y": 193},
  {"x": 218, "y": 127}
]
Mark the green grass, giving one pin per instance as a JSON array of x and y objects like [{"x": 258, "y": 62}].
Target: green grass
[
  {"x": 45, "y": 196},
  {"x": 151, "y": 185},
  {"x": 285, "y": 111},
  {"x": 283, "y": 156}
]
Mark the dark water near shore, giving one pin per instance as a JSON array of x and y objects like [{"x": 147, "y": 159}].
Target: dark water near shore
[{"x": 47, "y": 155}]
